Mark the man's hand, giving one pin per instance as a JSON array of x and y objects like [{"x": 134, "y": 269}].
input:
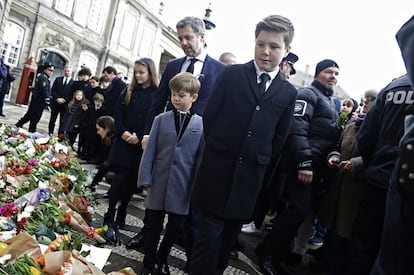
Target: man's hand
[
  {"x": 144, "y": 142},
  {"x": 305, "y": 176},
  {"x": 47, "y": 103},
  {"x": 60, "y": 100},
  {"x": 130, "y": 138}
]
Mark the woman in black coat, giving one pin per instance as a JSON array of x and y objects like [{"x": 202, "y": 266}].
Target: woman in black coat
[{"x": 130, "y": 118}]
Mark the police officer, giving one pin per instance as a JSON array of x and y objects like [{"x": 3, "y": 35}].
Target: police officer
[
  {"x": 396, "y": 252},
  {"x": 313, "y": 134},
  {"x": 40, "y": 98},
  {"x": 378, "y": 140}
]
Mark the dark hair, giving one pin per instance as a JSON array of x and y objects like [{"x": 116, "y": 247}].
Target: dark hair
[
  {"x": 85, "y": 71},
  {"x": 279, "y": 24},
  {"x": 109, "y": 70},
  {"x": 107, "y": 122},
  {"x": 96, "y": 78}
]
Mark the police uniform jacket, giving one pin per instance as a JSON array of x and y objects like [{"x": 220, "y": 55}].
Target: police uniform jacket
[
  {"x": 243, "y": 131},
  {"x": 315, "y": 130},
  {"x": 382, "y": 130},
  {"x": 41, "y": 91}
]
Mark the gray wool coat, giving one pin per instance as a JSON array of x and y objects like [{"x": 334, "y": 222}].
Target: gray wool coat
[{"x": 168, "y": 165}]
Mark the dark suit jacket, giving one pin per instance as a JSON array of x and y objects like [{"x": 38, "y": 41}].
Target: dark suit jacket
[
  {"x": 112, "y": 93},
  {"x": 242, "y": 131},
  {"x": 59, "y": 90},
  {"x": 211, "y": 69}
]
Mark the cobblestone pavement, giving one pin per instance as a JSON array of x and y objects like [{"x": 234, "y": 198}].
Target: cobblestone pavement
[{"x": 120, "y": 256}]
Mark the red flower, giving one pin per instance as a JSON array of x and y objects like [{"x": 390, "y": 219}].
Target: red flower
[
  {"x": 21, "y": 224},
  {"x": 67, "y": 219}
]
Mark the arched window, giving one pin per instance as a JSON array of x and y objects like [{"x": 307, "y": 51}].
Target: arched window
[
  {"x": 12, "y": 44},
  {"x": 89, "y": 60}
]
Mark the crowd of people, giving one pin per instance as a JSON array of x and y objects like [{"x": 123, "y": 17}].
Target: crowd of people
[{"x": 219, "y": 145}]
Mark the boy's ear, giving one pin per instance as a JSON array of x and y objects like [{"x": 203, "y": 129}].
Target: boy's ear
[{"x": 194, "y": 97}]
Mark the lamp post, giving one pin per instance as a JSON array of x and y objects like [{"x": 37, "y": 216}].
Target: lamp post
[
  {"x": 43, "y": 58},
  {"x": 209, "y": 24}
]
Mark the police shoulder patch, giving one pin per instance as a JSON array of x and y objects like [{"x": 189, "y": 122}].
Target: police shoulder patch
[{"x": 300, "y": 108}]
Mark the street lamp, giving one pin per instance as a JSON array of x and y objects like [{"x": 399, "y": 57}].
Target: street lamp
[
  {"x": 209, "y": 24},
  {"x": 43, "y": 56}
]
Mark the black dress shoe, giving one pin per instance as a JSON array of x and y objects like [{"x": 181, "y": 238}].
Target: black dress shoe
[
  {"x": 265, "y": 263},
  {"x": 294, "y": 259},
  {"x": 136, "y": 242},
  {"x": 234, "y": 255},
  {"x": 164, "y": 269},
  {"x": 147, "y": 271}
]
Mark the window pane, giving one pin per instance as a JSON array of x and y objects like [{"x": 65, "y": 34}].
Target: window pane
[
  {"x": 81, "y": 12},
  {"x": 12, "y": 43},
  {"x": 128, "y": 30},
  {"x": 64, "y": 6},
  {"x": 97, "y": 15}
]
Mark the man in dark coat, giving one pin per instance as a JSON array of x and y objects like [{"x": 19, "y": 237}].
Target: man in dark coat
[
  {"x": 313, "y": 135},
  {"x": 115, "y": 88},
  {"x": 61, "y": 95},
  {"x": 396, "y": 252},
  {"x": 191, "y": 34},
  {"x": 40, "y": 98},
  {"x": 246, "y": 122}
]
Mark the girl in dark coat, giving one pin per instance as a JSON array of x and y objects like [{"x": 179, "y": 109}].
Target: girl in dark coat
[
  {"x": 130, "y": 118},
  {"x": 72, "y": 118}
]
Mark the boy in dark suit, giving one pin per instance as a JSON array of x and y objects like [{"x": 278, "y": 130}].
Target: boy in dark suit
[{"x": 246, "y": 122}]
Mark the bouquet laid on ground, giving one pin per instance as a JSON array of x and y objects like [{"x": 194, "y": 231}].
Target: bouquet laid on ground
[{"x": 43, "y": 191}]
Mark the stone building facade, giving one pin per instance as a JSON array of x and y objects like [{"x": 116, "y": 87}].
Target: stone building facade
[{"x": 91, "y": 33}]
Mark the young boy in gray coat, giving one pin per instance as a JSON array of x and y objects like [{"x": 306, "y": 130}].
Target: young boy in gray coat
[{"x": 167, "y": 168}]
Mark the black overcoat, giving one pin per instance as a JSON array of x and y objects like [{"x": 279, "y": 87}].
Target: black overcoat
[{"x": 243, "y": 131}]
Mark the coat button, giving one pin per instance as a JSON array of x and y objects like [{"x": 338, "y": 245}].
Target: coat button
[
  {"x": 249, "y": 133},
  {"x": 257, "y": 107},
  {"x": 240, "y": 159}
]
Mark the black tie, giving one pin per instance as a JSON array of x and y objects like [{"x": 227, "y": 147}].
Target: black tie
[
  {"x": 264, "y": 77},
  {"x": 190, "y": 68},
  {"x": 65, "y": 82}
]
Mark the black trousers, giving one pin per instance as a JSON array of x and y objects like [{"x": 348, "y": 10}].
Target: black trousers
[
  {"x": 33, "y": 114},
  {"x": 153, "y": 227},
  {"x": 367, "y": 230},
  {"x": 214, "y": 241},
  {"x": 122, "y": 188},
  {"x": 57, "y": 110},
  {"x": 298, "y": 196}
]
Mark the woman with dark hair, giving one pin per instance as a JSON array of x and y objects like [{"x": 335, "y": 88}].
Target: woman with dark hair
[
  {"x": 130, "y": 118},
  {"x": 105, "y": 128}
]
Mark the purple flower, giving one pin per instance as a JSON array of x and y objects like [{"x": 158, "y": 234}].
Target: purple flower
[{"x": 32, "y": 162}]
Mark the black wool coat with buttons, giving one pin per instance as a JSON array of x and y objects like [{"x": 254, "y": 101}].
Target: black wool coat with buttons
[
  {"x": 243, "y": 131},
  {"x": 132, "y": 118}
]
